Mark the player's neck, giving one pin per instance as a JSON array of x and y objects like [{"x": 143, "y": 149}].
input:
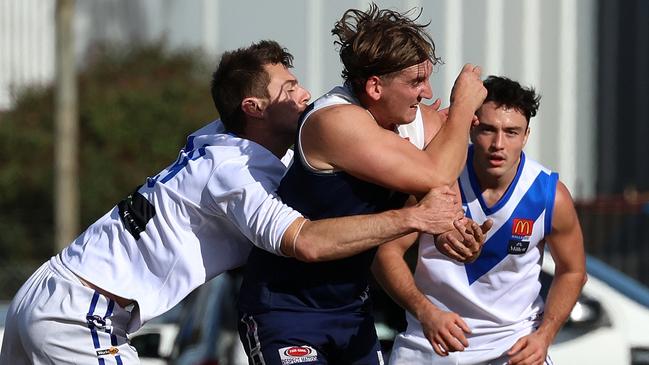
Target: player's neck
[
  {"x": 371, "y": 107},
  {"x": 277, "y": 143},
  {"x": 492, "y": 187}
]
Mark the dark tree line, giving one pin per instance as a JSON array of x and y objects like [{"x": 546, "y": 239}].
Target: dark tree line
[{"x": 136, "y": 106}]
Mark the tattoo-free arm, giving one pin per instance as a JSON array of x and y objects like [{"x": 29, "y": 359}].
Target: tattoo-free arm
[
  {"x": 444, "y": 330},
  {"x": 567, "y": 249},
  {"x": 335, "y": 238}
]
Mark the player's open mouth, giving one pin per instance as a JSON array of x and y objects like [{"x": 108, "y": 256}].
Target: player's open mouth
[{"x": 496, "y": 160}]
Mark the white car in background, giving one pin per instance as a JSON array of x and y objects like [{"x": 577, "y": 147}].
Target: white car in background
[
  {"x": 155, "y": 340},
  {"x": 610, "y": 322},
  {"x": 609, "y": 325}
]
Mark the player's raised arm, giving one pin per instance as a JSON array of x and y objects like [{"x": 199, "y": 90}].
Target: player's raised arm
[{"x": 347, "y": 137}]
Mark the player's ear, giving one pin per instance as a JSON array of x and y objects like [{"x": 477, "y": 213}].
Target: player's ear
[
  {"x": 253, "y": 107},
  {"x": 373, "y": 87},
  {"x": 527, "y": 134}
]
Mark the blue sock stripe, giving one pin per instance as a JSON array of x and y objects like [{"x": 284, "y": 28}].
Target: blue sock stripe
[
  {"x": 119, "y": 360},
  {"x": 101, "y": 361}
]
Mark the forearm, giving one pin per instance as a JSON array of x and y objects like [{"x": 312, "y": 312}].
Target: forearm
[
  {"x": 562, "y": 297},
  {"x": 566, "y": 246},
  {"x": 394, "y": 275},
  {"x": 336, "y": 238},
  {"x": 449, "y": 146}
]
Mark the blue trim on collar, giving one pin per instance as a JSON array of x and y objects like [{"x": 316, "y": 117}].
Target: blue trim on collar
[{"x": 475, "y": 184}]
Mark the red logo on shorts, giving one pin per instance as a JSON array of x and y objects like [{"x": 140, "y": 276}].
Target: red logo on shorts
[{"x": 298, "y": 351}]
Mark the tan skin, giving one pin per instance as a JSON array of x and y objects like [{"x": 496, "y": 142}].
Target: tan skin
[
  {"x": 498, "y": 142},
  {"x": 347, "y": 137},
  {"x": 463, "y": 244},
  {"x": 361, "y": 140},
  {"x": 272, "y": 122}
]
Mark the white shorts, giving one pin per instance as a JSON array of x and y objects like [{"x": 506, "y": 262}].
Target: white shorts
[
  {"x": 406, "y": 351},
  {"x": 54, "y": 319}
]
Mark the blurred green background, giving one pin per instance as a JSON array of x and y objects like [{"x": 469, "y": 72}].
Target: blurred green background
[{"x": 136, "y": 107}]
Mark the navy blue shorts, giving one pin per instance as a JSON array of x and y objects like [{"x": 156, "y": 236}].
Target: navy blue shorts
[{"x": 282, "y": 338}]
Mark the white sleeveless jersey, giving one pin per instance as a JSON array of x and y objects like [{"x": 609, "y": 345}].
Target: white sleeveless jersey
[
  {"x": 191, "y": 222},
  {"x": 498, "y": 294}
]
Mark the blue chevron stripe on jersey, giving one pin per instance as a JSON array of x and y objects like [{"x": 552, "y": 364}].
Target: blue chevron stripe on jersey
[{"x": 494, "y": 250}]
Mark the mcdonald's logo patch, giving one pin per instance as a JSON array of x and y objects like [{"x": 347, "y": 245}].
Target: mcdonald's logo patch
[{"x": 522, "y": 227}]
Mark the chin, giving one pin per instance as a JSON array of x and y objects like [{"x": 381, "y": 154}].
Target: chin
[
  {"x": 495, "y": 172},
  {"x": 408, "y": 119}
]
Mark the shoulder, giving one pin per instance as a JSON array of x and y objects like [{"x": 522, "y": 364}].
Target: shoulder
[
  {"x": 535, "y": 167},
  {"x": 238, "y": 169},
  {"x": 344, "y": 117},
  {"x": 214, "y": 127},
  {"x": 562, "y": 196},
  {"x": 230, "y": 154},
  {"x": 564, "y": 216}
]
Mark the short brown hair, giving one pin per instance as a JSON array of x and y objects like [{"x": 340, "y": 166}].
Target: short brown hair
[
  {"x": 508, "y": 93},
  {"x": 240, "y": 74},
  {"x": 379, "y": 42}
]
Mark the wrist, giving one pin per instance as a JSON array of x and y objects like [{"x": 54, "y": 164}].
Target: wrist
[
  {"x": 461, "y": 109},
  {"x": 547, "y": 331},
  {"x": 410, "y": 218},
  {"x": 423, "y": 309}
]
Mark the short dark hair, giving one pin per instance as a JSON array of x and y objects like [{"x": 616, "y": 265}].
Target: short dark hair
[
  {"x": 379, "y": 42},
  {"x": 240, "y": 74},
  {"x": 510, "y": 94}
]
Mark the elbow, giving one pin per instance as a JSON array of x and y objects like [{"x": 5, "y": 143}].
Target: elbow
[
  {"x": 307, "y": 252},
  {"x": 307, "y": 245},
  {"x": 448, "y": 180},
  {"x": 451, "y": 173},
  {"x": 445, "y": 176}
]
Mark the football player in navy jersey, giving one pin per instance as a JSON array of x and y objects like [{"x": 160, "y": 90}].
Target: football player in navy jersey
[
  {"x": 192, "y": 221},
  {"x": 351, "y": 159}
]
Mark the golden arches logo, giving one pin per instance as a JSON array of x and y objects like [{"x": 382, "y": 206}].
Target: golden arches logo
[{"x": 522, "y": 227}]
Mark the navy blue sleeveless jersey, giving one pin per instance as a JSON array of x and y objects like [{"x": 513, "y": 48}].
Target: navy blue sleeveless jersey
[{"x": 279, "y": 283}]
